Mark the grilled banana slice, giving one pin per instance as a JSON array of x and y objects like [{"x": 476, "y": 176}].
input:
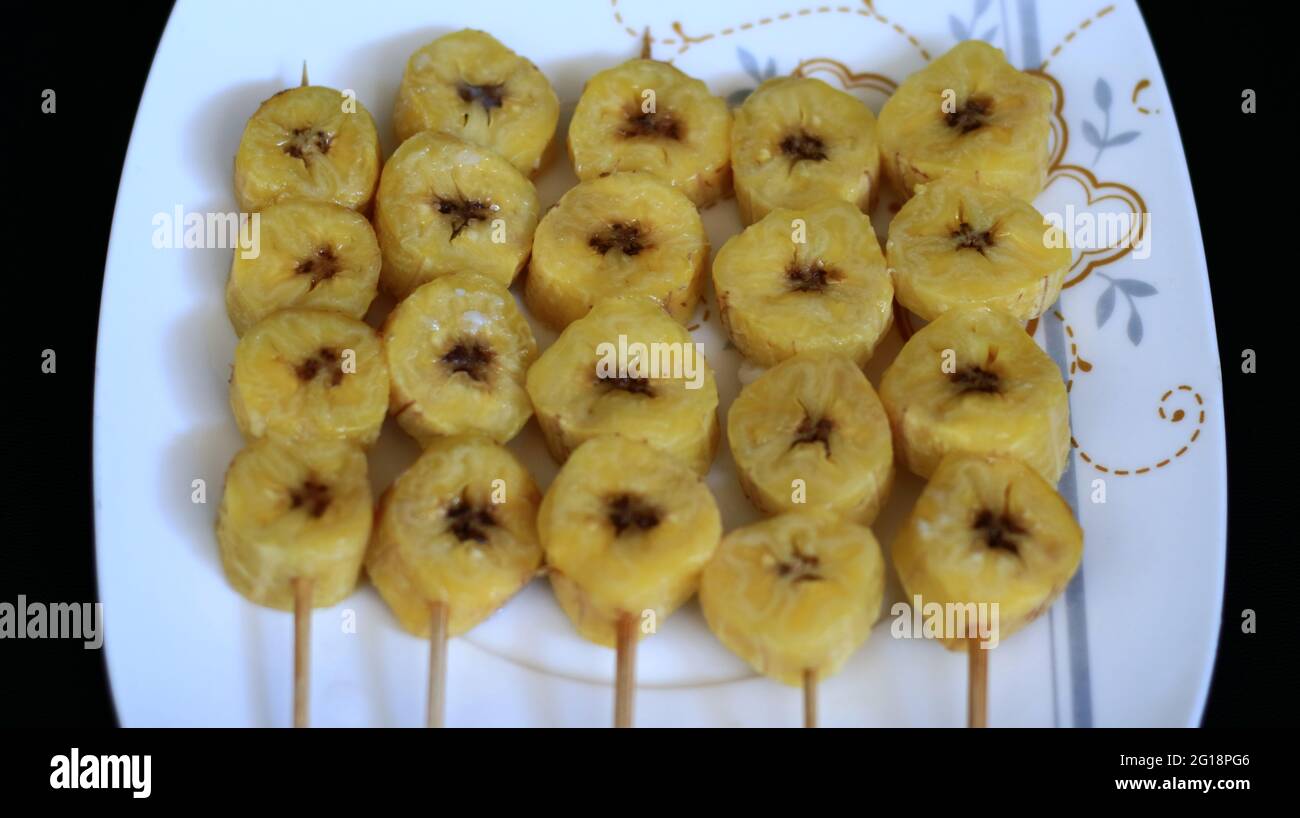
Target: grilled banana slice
[
  {"x": 798, "y": 142},
  {"x": 469, "y": 85},
  {"x": 457, "y": 351},
  {"x": 295, "y": 512},
  {"x": 446, "y": 206},
  {"x": 626, "y": 530},
  {"x": 625, "y": 234},
  {"x": 811, "y": 280},
  {"x": 988, "y": 530},
  {"x": 459, "y": 527},
  {"x": 308, "y": 143},
  {"x": 664, "y": 395},
  {"x": 955, "y": 244},
  {"x": 307, "y": 375},
  {"x": 313, "y": 255},
  {"x": 969, "y": 111},
  {"x": 974, "y": 381},
  {"x": 794, "y": 593},
  {"x": 646, "y": 115},
  {"x": 810, "y": 432}
]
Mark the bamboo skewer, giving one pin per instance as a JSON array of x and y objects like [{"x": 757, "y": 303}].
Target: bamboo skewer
[
  {"x": 810, "y": 698},
  {"x": 304, "y": 74},
  {"x": 438, "y": 664},
  {"x": 625, "y": 671},
  {"x": 977, "y": 702},
  {"x": 301, "y": 652}
]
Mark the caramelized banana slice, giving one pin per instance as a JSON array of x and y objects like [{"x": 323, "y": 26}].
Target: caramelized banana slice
[
  {"x": 988, "y": 530},
  {"x": 626, "y": 530},
  {"x": 308, "y": 143},
  {"x": 446, "y": 206},
  {"x": 974, "y": 381},
  {"x": 794, "y": 593},
  {"x": 810, "y": 432},
  {"x": 969, "y": 111},
  {"x": 307, "y": 375},
  {"x": 458, "y": 527},
  {"x": 469, "y": 85},
  {"x": 457, "y": 351},
  {"x": 646, "y": 115},
  {"x": 955, "y": 244},
  {"x": 290, "y": 512},
  {"x": 313, "y": 255}
]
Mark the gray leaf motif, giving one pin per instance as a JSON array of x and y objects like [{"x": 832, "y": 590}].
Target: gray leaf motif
[
  {"x": 1123, "y": 138},
  {"x": 957, "y": 28},
  {"x": 770, "y": 71},
  {"x": 1091, "y": 134},
  {"x": 981, "y": 6},
  {"x": 1133, "y": 287},
  {"x": 1101, "y": 93},
  {"x": 1134, "y": 327},
  {"x": 750, "y": 64},
  {"x": 988, "y": 35},
  {"x": 736, "y": 98},
  {"x": 1105, "y": 306}
]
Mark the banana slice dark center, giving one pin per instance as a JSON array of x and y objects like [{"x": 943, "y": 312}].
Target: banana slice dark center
[
  {"x": 313, "y": 496},
  {"x": 970, "y": 238},
  {"x": 651, "y": 123},
  {"x": 320, "y": 265},
  {"x": 627, "y": 383},
  {"x": 803, "y": 146},
  {"x": 471, "y": 357},
  {"x": 462, "y": 212},
  {"x": 488, "y": 96},
  {"x": 307, "y": 143},
  {"x": 998, "y": 530},
  {"x": 799, "y": 567},
  {"x": 814, "y": 431},
  {"x": 626, "y": 237},
  {"x": 467, "y": 521},
  {"x": 810, "y": 278},
  {"x": 325, "y": 361},
  {"x": 971, "y": 115},
  {"x": 627, "y": 511},
  {"x": 977, "y": 379}
]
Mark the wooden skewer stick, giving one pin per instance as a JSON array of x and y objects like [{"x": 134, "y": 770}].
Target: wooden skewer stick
[
  {"x": 977, "y": 702},
  {"x": 625, "y": 671},
  {"x": 304, "y": 74},
  {"x": 810, "y": 698},
  {"x": 438, "y": 664},
  {"x": 301, "y": 651}
]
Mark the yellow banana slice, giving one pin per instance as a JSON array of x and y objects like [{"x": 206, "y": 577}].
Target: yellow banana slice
[
  {"x": 625, "y": 234},
  {"x": 811, "y": 280},
  {"x": 969, "y": 111},
  {"x": 469, "y": 85},
  {"x": 988, "y": 530},
  {"x": 974, "y": 381},
  {"x": 459, "y": 527},
  {"x": 313, "y": 255},
  {"x": 308, "y": 143},
  {"x": 457, "y": 351},
  {"x": 446, "y": 206},
  {"x": 797, "y": 592},
  {"x": 646, "y": 115},
  {"x": 626, "y": 530},
  {"x": 810, "y": 432},
  {"x": 291, "y": 511},
  {"x": 308, "y": 375},
  {"x": 579, "y": 392},
  {"x": 798, "y": 143}
]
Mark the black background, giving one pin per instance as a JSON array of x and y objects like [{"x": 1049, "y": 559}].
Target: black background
[{"x": 60, "y": 178}]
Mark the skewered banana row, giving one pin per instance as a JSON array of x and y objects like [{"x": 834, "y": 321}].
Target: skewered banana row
[{"x": 628, "y": 528}]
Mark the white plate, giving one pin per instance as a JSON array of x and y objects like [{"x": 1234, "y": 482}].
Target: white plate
[{"x": 1131, "y": 643}]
